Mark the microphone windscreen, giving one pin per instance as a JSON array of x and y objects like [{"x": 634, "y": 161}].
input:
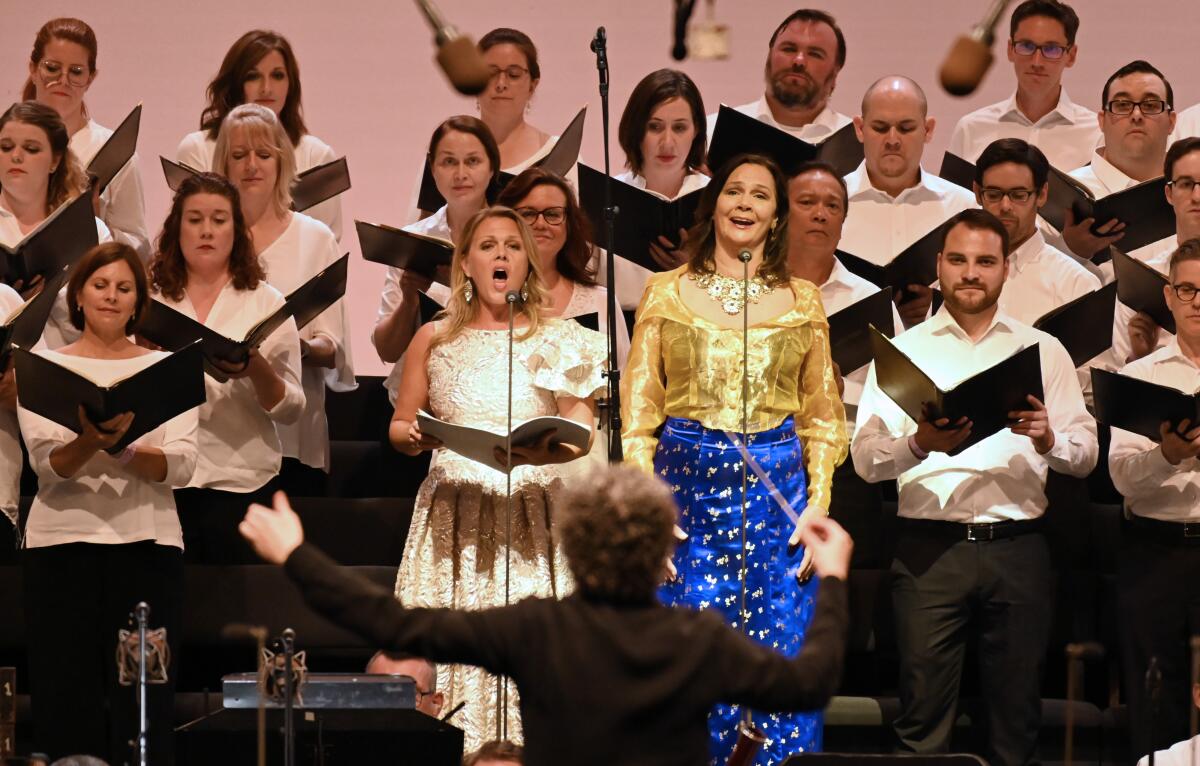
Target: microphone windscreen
[
  {"x": 463, "y": 65},
  {"x": 965, "y": 65}
]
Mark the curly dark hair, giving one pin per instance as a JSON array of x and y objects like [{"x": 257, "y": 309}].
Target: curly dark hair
[
  {"x": 227, "y": 89},
  {"x": 168, "y": 269},
  {"x": 97, "y": 258},
  {"x": 574, "y": 261},
  {"x": 617, "y": 533}
]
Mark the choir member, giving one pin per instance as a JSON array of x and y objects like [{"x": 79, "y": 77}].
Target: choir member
[
  {"x": 1188, "y": 124},
  {"x": 970, "y": 554},
  {"x": 102, "y": 533},
  {"x": 457, "y": 368},
  {"x": 254, "y": 153},
  {"x": 206, "y": 268},
  {"x": 62, "y": 67},
  {"x": 1041, "y": 47},
  {"x": 261, "y": 68},
  {"x": 512, "y": 59},
  {"x": 681, "y": 418}
]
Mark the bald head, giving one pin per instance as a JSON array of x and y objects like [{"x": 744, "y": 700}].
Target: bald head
[
  {"x": 897, "y": 90},
  {"x": 894, "y": 127}
]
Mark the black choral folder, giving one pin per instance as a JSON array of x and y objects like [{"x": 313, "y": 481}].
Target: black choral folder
[
  {"x": 1084, "y": 326},
  {"x": 736, "y": 133},
  {"x": 558, "y": 160},
  {"x": 914, "y": 265},
  {"x": 427, "y": 308},
  {"x": 985, "y": 398},
  {"x": 1140, "y": 288},
  {"x": 850, "y": 329},
  {"x": 319, "y": 183},
  {"x": 176, "y": 172},
  {"x": 117, "y": 150},
  {"x": 58, "y": 241},
  {"x": 155, "y": 394},
  {"x": 403, "y": 249},
  {"x": 958, "y": 171},
  {"x": 591, "y": 321},
  {"x": 173, "y": 329},
  {"x": 24, "y": 325},
  {"x": 1140, "y": 406},
  {"x": 644, "y": 216},
  {"x": 1143, "y": 208}
]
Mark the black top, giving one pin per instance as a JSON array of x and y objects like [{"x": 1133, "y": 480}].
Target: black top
[{"x": 599, "y": 683}]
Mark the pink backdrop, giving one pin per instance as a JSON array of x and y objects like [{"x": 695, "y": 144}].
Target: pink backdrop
[{"x": 372, "y": 91}]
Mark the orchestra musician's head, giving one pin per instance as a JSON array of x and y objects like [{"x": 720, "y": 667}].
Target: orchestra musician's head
[
  {"x": 1182, "y": 171},
  {"x": 744, "y": 207},
  {"x": 894, "y": 127},
  {"x": 260, "y": 68},
  {"x": 1183, "y": 292},
  {"x": 254, "y": 153},
  {"x": 512, "y": 59},
  {"x": 560, "y": 229},
  {"x": 663, "y": 131},
  {"x": 62, "y": 66},
  {"x": 1041, "y": 45},
  {"x": 420, "y": 670},
  {"x": 973, "y": 262},
  {"x": 37, "y": 166},
  {"x": 817, "y": 206},
  {"x": 496, "y": 753},
  {"x": 465, "y": 161},
  {"x": 1137, "y": 115},
  {"x": 1011, "y": 184},
  {"x": 805, "y": 54},
  {"x": 108, "y": 291},
  {"x": 496, "y": 255},
  {"x": 618, "y": 533},
  {"x": 204, "y": 235}
]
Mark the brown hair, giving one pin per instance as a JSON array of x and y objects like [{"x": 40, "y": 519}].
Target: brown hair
[
  {"x": 654, "y": 89},
  {"x": 496, "y": 750},
  {"x": 517, "y": 38},
  {"x": 574, "y": 260},
  {"x": 168, "y": 269},
  {"x": 262, "y": 128},
  {"x": 1187, "y": 251},
  {"x": 702, "y": 237},
  {"x": 97, "y": 258},
  {"x": 1180, "y": 149},
  {"x": 72, "y": 30},
  {"x": 227, "y": 89},
  {"x": 617, "y": 533},
  {"x": 976, "y": 219},
  {"x": 68, "y": 179},
  {"x": 813, "y": 16},
  {"x": 474, "y": 126}
]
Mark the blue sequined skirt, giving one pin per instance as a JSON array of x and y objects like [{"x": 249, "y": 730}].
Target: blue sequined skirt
[{"x": 704, "y": 468}]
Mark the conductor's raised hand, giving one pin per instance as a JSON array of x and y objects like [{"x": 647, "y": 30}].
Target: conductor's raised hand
[
  {"x": 103, "y": 435},
  {"x": 939, "y": 434},
  {"x": 273, "y": 532},
  {"x": 829, "y": 545},
  {"x": 1182, "y": 443}
]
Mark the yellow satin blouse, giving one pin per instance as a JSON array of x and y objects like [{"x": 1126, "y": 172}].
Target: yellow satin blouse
[{"x": 682, "y": 365}]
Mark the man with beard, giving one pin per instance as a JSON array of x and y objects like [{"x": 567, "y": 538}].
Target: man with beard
[
  {"x": 970, "y": 554},
  {"x": 804, "y": 56}
]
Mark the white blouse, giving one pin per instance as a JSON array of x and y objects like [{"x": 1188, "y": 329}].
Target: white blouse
[
  {"x": 305, "y": 248},
  {"x": 10, "y": 432},
  {"x": 196, "y": 150},
  {"x": 104, "y": 502},
  {"x": 122, "y": 205},
  {"x": 239, "y": 445}
]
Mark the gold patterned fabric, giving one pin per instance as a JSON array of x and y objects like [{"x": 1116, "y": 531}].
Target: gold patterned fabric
[
  {"x": 454, "y": 555},
  {"x": 682, "y": 365}
]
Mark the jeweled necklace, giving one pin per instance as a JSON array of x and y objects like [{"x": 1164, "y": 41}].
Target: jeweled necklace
[{"x": 728, "y": 292}]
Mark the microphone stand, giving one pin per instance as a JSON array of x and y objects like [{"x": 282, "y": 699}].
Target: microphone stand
[
  {"x": 1194, "y": 722},
  {"x": 610, "y": 418},
  {"x": 141, "y": 613},
  {"x": 511, "y": 298},
  {"x": 1153, "y": 684},
  {"x": 289, "y": 700},
  {"x": 1076, "y": 654}
]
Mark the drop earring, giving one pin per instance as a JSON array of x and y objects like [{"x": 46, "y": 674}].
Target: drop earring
[
  {"x": 469, "y": 291},
  {"x": 524, "y": 293}
]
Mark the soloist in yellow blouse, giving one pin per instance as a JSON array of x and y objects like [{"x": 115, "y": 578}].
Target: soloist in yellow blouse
[{"x": 682, "y": 365}]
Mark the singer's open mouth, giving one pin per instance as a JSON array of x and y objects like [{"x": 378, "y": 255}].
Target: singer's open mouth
[
  {"x": 500, "y": 279},
  {"x": 741, "y": 223}
]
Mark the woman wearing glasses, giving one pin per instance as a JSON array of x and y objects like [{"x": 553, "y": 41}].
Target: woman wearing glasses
[
  {"x": 261, "y": 68},
  {"x": 62, "y": 67}
]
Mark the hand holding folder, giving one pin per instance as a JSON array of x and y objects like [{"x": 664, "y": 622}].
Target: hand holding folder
[
  {"x": 1142, "y": 407},
  {"x": 58, "y": 241},
  {"x": 426, "y": 255}
]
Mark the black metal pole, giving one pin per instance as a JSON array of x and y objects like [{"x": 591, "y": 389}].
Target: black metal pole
[{"x": 289, "y": 701}]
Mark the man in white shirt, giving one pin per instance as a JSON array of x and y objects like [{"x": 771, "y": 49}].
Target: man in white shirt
[
  {"x": 893, "y": 200},
  {"x": 1041, "y": 46},
  {"x": 804, "y": 56},
  {"x": 1188, "y": 124},
  {"x": 1185, "y": 753},
  {"x": 1158, "y": 581},
  {"x": 970, "y": 552}
]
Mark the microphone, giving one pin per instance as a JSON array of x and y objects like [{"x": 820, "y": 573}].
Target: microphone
[
  {"x": 513, "y": 296},
  {"x": 683, "y": 13},
  {"x": 457, "y": 55},
  {"x": 745, "y": 256},
  {"x": 971, "y": 55}
]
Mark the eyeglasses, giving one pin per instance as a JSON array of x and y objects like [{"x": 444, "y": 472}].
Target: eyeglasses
[
  {"x": 1184, "y": 184},
  {"x": 1185, "y": 292},
  {"x": 52, "y": 72},
  {"x": 513, "y": 72},
  {"x": 994, "y": 195},
  {"x": 1050, "y": 51},
  {"x": 1148, "y": 107},
  {"x": 553, "y": 215}
]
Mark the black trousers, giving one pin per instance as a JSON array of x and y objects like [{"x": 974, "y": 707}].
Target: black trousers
[
  {"x": 210, "y": 518},
  {"x": 944, "y": 587},
  {"x": 1158, "y": 603},
  {"x": 77, "y": 596},
  {"x": 858, "y": 507}
]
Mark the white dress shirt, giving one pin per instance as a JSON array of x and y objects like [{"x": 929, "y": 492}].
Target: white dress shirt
[
  {"x": 825, "y": 125},
  {"x": 104, "y": 502},
  {"x": 1187, "y": 124},
  {"x": 10, "y": 432},
  {"x": 1185, "y": 753},
  {"x": 1152, "y": 487},
  {"x": 122, "y": 205},
  {"x": 196, "y": 151},
  {"x": 631, "y": 278},
  {"x": 239, "y": 445},
  {"x": 879, "y": 226},
  {"x": 1067, "y": 135},
  {"x": 1000, "y": 478},
  {"x": 1040, "y": 279},
  {"x": 305, "y": 248},
  {"x": 1158, "y": 257}
]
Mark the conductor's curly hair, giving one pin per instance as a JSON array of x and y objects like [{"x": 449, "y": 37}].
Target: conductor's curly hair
[{"x": 617, "y": 533}]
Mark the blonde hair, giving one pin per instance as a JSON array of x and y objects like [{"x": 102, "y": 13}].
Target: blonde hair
[
  {"x": 262, "y": 128},
  {"x": 459, "y": 313}
]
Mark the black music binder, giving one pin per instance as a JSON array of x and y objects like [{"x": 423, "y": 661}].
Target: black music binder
[
  {"x": 850, "y": 329},
  {"x": 914, "y": 265},
  {"x": 1143, "y": 208},
  {"x": 1140, "y": 288},
  {"x": 319, "y": 183},
  {"x": 1140, "y": 406},
  {"x": 117, "y": 151},
  {"x": 1084, "y": 326},
  {"x": 24, "y": 325},
  {"x": 736, "y": 133},
  {"x": 427, "y": 308},
  {"x": 58, "y": 241},
  {"x": 176, "y": 173},
  {"x": 403, "y": 249},
  {"x": 645, "y": 216},
  {"x": 958, "y": 171},
  {"x": 590, "y": 320}
]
